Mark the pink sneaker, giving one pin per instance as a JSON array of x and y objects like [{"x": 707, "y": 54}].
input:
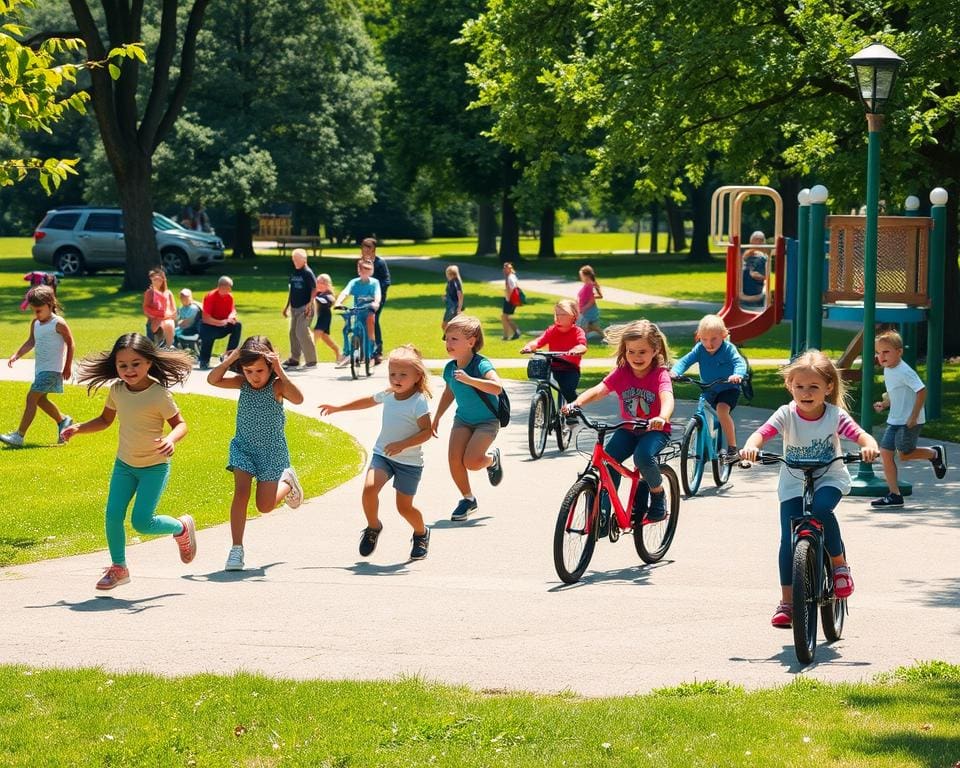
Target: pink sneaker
[
  {"x": 783, "y": 617},
  {"x": 842, "y": 582},
  {"x": 187, "y": 541},
  {"x": 114, "y": 576}
]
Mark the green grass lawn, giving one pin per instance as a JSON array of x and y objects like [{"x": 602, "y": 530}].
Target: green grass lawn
[
  {"x": 52, "y": 498},
  {"x": 93, "y": 718}
]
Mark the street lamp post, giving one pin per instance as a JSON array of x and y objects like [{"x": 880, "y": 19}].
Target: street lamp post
[{"x": 875, "y": 69}]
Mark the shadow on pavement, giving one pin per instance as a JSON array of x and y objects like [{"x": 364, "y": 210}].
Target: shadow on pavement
[
  {"x": 102, "y": 603},
  {"x": 227, "y": 577},
  {"x": 470, "y": 522},
  {"x": 787, "y": 658},
  {"x": 635, "y": 574}
]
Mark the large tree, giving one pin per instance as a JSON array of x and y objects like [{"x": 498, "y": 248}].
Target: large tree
[{"x": 133, "y": 120}]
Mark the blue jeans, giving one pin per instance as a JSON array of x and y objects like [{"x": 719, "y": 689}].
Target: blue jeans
[
  {"x": 147, "y": 483},
  {"x": 825, "y": 500},
  {"x": 644, "y": 446}
]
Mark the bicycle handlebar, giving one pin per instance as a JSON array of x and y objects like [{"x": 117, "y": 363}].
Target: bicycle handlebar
[
  {"x": 601, "y": 426},
  {"x": 707, "y": 385},
  {"x": 805, "y": 464},
  {"x": 552, "y": 354}
]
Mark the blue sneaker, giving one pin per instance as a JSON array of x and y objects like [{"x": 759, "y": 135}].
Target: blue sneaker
[
  {"x": 464, "y": 509},
  {"x": 420, "y": 545},
  {"x": 658, "y": 507},
  {"x": 368, "y": 541}
]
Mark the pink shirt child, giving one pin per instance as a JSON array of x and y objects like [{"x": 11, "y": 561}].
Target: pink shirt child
[
  {"x": 639, "y": 396},
  {"x": 557, "y": 339},
  {"x": 585, "y": 296}
]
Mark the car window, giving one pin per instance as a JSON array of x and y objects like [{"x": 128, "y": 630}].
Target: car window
[
  {"x": 104, "y": 222},
  {"x": 62, "y": 221},
  {"x": 162, "y": 224}
]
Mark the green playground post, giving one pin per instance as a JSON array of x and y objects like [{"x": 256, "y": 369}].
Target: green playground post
[
  {"x": 908, "y": 331},
  {"x": 815, "y": 259},
  {"x": 798, "y": 334},
  {"x": 935, "y": 272}
]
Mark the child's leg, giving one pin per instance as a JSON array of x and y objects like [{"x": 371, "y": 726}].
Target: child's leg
[
  {"x": 726, "y": 423},
  {"x": 123, "y": 484},
  {"x": 372, "y": 484},
  {"x": 325, "y": 338},
  {"x": 475, "y": 456},
  {"x": 456, "y": 450},
  {"x": 238, "y": 507},
  {"x": 567, "y": 382},
  {"x": 788, "y": 510},
  {"x": 150, "y": 484},
  {"x": 410, "y": 513},
  {"x": 169, "y": 326},
  {"x": 889, "y": 459},
  {"x": 825, "y": 501},
  {"x": 50, "y": 408},
  {"x": 621, "y": 445},
  {"x": 270, "y": 494},
  {"x": 645, "y": 458},
  {"x": 30, "y": 410},
  {"x": 371, "y": 333}
]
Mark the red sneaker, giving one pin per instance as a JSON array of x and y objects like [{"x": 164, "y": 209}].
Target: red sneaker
[
  {"x": 842, "y": 582},
  {"x": 114, "y": 576},
  {"x": 187, "y": 541},
  {"x": 783, "y": 617}
]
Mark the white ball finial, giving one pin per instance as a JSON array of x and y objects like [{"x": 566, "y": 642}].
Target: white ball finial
[
  {"x": 912, "y": 203},
  {"x": 938, "y": 196},
  {"x": 803, "y": 196},
  {"x": 818, "y": 194}
]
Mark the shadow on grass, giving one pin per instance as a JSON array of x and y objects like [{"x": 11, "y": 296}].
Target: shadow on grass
[
  {"x": 228, "y": 577},
  {"x": 102, "y": 603}
]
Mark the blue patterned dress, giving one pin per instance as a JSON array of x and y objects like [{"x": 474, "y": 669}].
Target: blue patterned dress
[{"x": 259, "y": 447}]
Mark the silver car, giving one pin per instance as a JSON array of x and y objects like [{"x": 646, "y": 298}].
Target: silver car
[{"x": 78, "y": 239}]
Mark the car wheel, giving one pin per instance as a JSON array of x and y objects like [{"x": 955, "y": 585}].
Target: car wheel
[
  {"x": 175, "y": 262},
  {"x": 69, "y": 261}
]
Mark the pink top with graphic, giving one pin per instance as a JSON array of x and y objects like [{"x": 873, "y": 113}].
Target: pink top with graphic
[
  {"x": 556, "y": 339},
  {"x": 639, "y": 395}
]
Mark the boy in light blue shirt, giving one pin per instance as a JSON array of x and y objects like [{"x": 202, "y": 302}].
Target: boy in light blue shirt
[{"x": 365, "y": 289}]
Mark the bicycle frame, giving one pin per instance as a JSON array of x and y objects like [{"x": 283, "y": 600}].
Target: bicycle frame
[
  {"x": 600, "y": 464},
  {"x": 707, "y": 439}
]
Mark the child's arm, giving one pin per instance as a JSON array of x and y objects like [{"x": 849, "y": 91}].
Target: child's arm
[
  {"x": 657, "y": 423},
  {"x": 770, "y": 429},
  {"x": 459, "y": 298},
  {"x": 445, "y": 400},
  {"x": 287, "y": 389},
  {"x": 739, "y": 367},
  {"x": 354, "y": 405},
  {"x": 883, "y": 403},
  {"x": 490, "y": 383},
  {"x": 64, "y": 330},
  {"x": 597, "y": 392},
  {"x": 680, "y": 367},
  {"x": 216, "y": 376},
  {"x": 165, "y": 444},
  {"x": 417, "y": 438},
  {"x": 869, "y": 450},
  {"x": 24, "y": 348},
  {"x": 918, "y": 402},
  {"x": 102, "y": 422},
  {"x": 752, "y": 447}
]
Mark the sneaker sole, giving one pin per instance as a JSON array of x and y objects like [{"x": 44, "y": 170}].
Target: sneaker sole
[
  {"x": 191, "y": 531},
  {"x": 233, "y": 567},
  {"x": 120, "y": 582},
  {"x": 887, "y": 506}
]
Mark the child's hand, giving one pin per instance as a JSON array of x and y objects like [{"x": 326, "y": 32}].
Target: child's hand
[
  {"x": 392, "y": 449},
  {"x": 273, "y": 360},
  {"x": 165, "y": 446},
  {"x": 735, "y": 379},
  {"x": 869, "y": 453},
  {"x": 12, "y": 360},
  {"x": 462, "y": 376},
  {"x": 70, "y": 432},
  {"x": 435, "y": 427},
  {"x": 749, "y": 453},
  {"x": 327, "y": 410},
  {"x": 526, "y": 349},
  {"x": 911, "y": 422},
  {"x": 878, "y": 406},
  {"x": 656, "y": 424},
  {"x": 231, "y": 357}
]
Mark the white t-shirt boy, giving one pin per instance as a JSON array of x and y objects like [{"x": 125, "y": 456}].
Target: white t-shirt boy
[
  {"x": 902, "y": 385},
  {"x": 400, "y": 422}
]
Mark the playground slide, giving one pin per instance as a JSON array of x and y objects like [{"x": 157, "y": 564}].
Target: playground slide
[{"x": 744, "y": 325}]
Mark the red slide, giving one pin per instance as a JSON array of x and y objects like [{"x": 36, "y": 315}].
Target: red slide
[{"x": 745, "y": 325}]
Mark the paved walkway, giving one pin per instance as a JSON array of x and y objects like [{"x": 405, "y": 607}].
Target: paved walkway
[{"x": 485, "y": 608}]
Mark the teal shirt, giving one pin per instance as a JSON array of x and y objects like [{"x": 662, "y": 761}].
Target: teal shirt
[{"x": 469, "y": 407}]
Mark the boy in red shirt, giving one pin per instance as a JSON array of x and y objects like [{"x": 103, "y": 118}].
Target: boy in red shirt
[{"x": 219, "y": 319}]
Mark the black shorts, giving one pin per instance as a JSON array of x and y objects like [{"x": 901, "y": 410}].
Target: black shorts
[
  {"x": 728, "y": 396},
  {"x": 508, "y": 308},
  {"x": 323, "y": 322}
]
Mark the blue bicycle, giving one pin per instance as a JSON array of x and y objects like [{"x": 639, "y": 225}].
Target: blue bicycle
[
  {"x": 703, "y": 440},
  {"x": 357, "y": 345}
]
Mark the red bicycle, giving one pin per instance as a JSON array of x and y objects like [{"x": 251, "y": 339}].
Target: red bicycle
[{"x": 581, "y": 514}]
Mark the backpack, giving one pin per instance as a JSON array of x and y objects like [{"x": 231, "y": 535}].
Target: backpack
[{"x": 502, "y": 411}]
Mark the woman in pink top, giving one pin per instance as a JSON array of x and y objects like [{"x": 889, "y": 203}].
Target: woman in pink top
[
  {"x": 563, "y": 336},
  {"x": 159, "y": 307},
  {"x": 587, "y": 299},
  {"x": 643, "y": 386}
]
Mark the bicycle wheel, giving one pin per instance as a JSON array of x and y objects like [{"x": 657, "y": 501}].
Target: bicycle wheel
[
  {"x": 805, "y": 575},
  {"x": 575, "y": 536},
  {"x": 691, "y": 460},
  {"x": 564, "y": 430},
  {"x": 538, "y": 423},
  {"x": 354, "y": 356},
  {"x": 832, "y": 609},
  {"x": 721, "y": 469},
  {"x": 652, "y": 540}
]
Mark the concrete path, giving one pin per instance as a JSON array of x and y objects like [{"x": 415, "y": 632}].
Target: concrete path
[{"x": 485, "y": 608}]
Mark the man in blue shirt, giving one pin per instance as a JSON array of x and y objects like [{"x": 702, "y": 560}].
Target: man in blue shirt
[{"x": 381, "y": 273}]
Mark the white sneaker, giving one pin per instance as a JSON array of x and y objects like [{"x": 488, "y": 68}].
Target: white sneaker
[
  {"x": 13, "y": 439},
  {"x": 234, "y": 559},
  {"x": 343, "y": 362},
  {"x": 295, "y": 498}
]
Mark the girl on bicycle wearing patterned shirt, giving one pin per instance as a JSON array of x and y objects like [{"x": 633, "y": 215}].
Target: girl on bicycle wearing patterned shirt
[
  {"x": 812, "y": 426},
  {"x": 643, "y": 386}
]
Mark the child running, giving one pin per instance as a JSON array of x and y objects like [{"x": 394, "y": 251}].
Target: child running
[
  {"x": 811, "y": 427},
  {"x": 642, "y": 383},
  {"x": 259, "y": 447},
  {"x": 453, "y": 296},
  {"x": 717, "y": 358},
  {"x": 587, "y": 300},
  {"x": 473, "y": 383},
  {"x": 563, "y": 336},
  {"x": 50, "y": 336},
  {"x": 139, "y": 395},
  {"x": 397, "y": 454},
  {"x": 904, "y": 397},
  {"x": 325, "y": 300}
]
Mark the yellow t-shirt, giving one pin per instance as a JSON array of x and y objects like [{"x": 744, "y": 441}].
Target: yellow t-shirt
[{"x": 142, "y": 416}]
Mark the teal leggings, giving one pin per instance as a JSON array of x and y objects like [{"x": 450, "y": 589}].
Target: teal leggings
[{"x": 147, "y": 483}]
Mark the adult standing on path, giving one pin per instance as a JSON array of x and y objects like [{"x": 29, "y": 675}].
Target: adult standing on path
[
  {"x": 219, "y": 319},
  {"x": 381, "y": 272},
  {"x": 511, "y": 293},
  {"x": 299, "y": 307}
]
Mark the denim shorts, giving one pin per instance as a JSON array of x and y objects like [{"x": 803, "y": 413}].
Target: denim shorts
[
  {"x": 48, "y": 382},
  {"x": 900, "y": 438},
  {"x": 406, "y": 477},
  {"x": 592, "y": 315}
]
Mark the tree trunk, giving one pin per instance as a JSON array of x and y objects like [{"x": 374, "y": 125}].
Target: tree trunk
[
  {"x": 675, "y": 223},
  {"x": 509, "y": 231},
  {"x": 789, "y": 189},
  {"x": 654, "y": 228},
  {"x": 486, "y": 228},
  {"x": 140, "y": 238},
  {"x": 243, "y": 239},
  {"x": 548, "y": 223},
  {"x": 700, "y": 239}
]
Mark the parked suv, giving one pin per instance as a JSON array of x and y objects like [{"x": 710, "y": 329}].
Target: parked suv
[{"x": 77, "y": 239}]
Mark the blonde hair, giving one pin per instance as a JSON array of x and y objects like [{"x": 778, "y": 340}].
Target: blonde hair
[
  {"x": 323, "y": 277},
  {"x": 758, "y": 237},
  {"x": 636, "y": 331},
  {"x": 587, "y": 270},
  {"x": 364, "y": 264},
  {"x": 410, "y": 355},
  {"x": 454, "y": 270},
  {"x": 710, "y": 323},
  {"x": 508, "y": 265},
  {"x": 891, "y": 338},
  {"x": 815, "y": 361},
  {"x": 569, "y": 306},
  {"x": 470, "y": 327}
]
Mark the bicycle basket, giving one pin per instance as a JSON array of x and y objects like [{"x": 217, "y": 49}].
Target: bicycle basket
[{"x": 538, "y": 369}]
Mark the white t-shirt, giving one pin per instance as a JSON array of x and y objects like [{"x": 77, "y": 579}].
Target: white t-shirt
[
  {"x": 49, "y": 348},
  {"x": 400, "y": 422},
  {"x": 902, "y": 385}
]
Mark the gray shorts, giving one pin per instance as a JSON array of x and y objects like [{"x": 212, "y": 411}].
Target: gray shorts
[
  {"x": 406, "y": 477},
  {"x": 488, "y": 426},
  {"x": 49, "y": 382},
  {"x": 900, "y": 438}
]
